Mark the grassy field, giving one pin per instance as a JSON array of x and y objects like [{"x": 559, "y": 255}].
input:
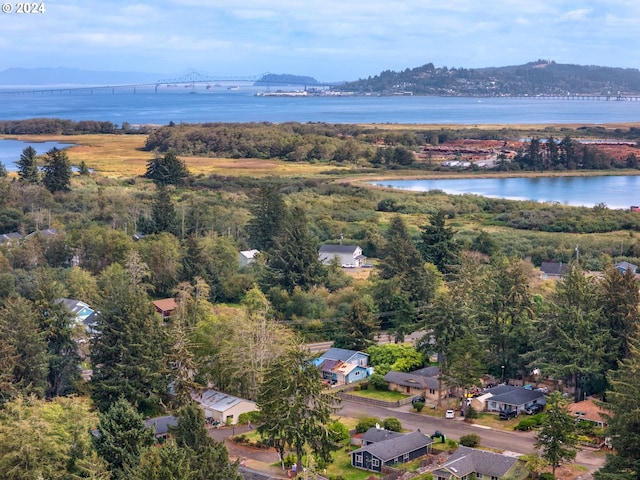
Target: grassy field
[{"x": 387, "y": 396}]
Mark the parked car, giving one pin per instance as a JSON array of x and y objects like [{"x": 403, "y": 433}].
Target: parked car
[
  {"x": 417, "y": 399},
  {"x": 535, "y": 408},
  {"x": 449, "y": 414},
  {"x": 507, "y": 414}
]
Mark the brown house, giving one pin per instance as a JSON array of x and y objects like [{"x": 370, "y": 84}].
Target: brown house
[
  {"x": 165, "y": 306},
  {"x": 589, "y": 411}
]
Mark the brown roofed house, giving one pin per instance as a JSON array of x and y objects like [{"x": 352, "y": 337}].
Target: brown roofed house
[
  {"x": 588, "y": 410},
  {"x": 165, "y": 306}
]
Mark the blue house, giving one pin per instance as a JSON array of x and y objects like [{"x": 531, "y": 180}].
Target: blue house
[
  {"x": 341, "y": 366},
  {"x": 397, "y": 449}
]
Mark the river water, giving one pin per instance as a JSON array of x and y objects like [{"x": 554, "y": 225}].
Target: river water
[{"x": 242, "y": 105}]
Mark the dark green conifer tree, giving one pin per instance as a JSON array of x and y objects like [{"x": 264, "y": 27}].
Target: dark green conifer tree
[
  {"x": 167, "y": 170},
  {"x": 28, "y": 166},
  {"x": 57, "y": 171},
  {"x": 269, "y": 213}
]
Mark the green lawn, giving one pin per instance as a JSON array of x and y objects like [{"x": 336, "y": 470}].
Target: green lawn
[
  {"x": 342, "y": 466},
  {"x": 387, "y": 396}
]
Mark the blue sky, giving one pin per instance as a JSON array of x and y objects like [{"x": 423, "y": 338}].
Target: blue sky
[{"x": 330, "y": 40}]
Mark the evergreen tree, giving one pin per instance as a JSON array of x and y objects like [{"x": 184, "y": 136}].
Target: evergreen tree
[
  {"x": 28, "y": 166},
  {"x": 57, "y": 171},
  {"x": 163, "y": 213},
  {"x": 437, "y": 244},
  {"x": 208, "y": 459},
  {"x": 24, "y": 367},
  {"x": 269, "y": 213},
  {"x": 167, "y": 170},
  {"x": 359, "y": 326},
  {"x": 165, "y": 463},
  {"x": 128, "y": 349},
  {"x": 3, "y": 170},
  {"x": 293, "y": 260},
  {"x": 121, "y": 438},
  {"x": 623, "y": 420},
  {"x": 557, "y": 437},
  {"x": 295, "y": 407}
]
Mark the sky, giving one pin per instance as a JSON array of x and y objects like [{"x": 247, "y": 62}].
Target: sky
[{"x": 331, "y": 40}]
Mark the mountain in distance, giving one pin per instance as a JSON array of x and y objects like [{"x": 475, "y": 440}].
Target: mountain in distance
[
  {"x": 542, "y": 77},
  {"x": 73, "y": 76},
  {"x": 285, "y": 79}
]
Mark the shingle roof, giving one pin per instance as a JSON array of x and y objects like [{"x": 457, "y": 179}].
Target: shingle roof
[
  {"x": 427, "y": 371},
  {"x": 218, "y": 401},
  {"x": 513, "y": 395},
  {"x": 465, "y": 461},
  {"x": 7, "y": 237},
  {"x": 395, "y": 447},
  {"x": 375, "y": 435},
  {"x": 552, "y": 268},
  {"x": 166, "y": 304},
  {"x": 339, "y": 354},
  {"x": 588, "y": 410},
  {"x": 338, "y": 249},
  {"x": 411, "y": 380},
  {"x": 161, "y": 425}
]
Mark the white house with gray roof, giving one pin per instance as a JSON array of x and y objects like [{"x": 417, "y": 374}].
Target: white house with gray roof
[
  {"x": 344, "y": 255},
  {"x": 468, "y": 462},
  {"x": 222, "y": 407}
]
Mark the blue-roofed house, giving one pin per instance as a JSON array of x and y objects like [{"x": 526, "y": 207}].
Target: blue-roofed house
[
  {"x": 397, "y": 449},
  {"x": 222, "y": 407},
  {"x": 466, "y": 463}
]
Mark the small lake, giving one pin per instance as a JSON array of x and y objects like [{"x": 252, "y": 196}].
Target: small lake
[
  {"x": 619, "y": 192},
  {"x": 10, "y": 150}
]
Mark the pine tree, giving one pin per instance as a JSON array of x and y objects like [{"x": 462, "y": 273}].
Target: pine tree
[
  {"x": 269, "y": 213},
  {"x": 121, "y": 438},
  {"x": 57, "y": 171},
  {"x": 3, "y": 170},
  {"x": 557, "y": 437},
  {"x": 28, "y": 166},
  {"x": 295, "y": 406},
  {"x": 167, "y": 170},
  {"x": 163, "y": 213},
  {"x": 623, "y": 419},
  {"x": 359, "y": 326},
  {"x": 437, "y": 244},
  {"x": 128, "y": 352}
]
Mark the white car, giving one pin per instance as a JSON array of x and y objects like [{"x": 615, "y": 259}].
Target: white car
[{"x": 450, "y": 414}]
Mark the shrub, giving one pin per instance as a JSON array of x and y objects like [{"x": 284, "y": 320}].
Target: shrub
[
  {"x": 366, "y": 423},
  {"x": 471, "y": 413},
  {"x": 378, "y": 382},
  {"x": 470, "y": 440},
  {"x": 392, "y": 424},
  {"x": 547, "y": 476},
  {"x": 418, "y": 406},
  {"x": 245, "y": 418},
  {"x": 526, "y": 424}
]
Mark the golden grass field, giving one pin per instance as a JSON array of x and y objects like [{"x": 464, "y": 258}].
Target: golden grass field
[{"x": 123, "y": 156}]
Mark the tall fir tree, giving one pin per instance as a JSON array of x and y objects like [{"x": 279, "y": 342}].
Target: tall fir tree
[
  {"x": 557, "y": 437},
  {"x": 57, "y": 171},
  {"x": 28, "y": 166},
  {"x": 121, "y": 438},
  {"x": 128, "y": 350},
  {"x": 269, "y": 213},
  {"x": 437, "y": 244},
  {"x": 163, "y": 213},
  {"x": 167, "y": 170},
  {"x": 623, "y": 405}
]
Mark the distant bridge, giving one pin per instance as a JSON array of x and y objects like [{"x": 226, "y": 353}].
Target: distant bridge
[{"x": 189, "y": 80}]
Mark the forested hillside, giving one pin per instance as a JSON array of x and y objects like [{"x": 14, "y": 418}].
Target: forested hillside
[{"x": 535, "y": 78}]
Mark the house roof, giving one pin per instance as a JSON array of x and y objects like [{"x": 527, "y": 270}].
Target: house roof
[
  {"x": 48, "y": 233},
  {"x": 511, "y": 395},
  {"x": 340, "y": 354},
  {"x": 7, "y": 237},
  {"x": 218, "y": 401},
  {"x": 427, "y": 371},
  {"x": 588, "y": 410},
  {"x": 553, "y": 268},
  {"x": 345, "y": 368},
  {"x": 161, "y": 425},
  {"x": 83, "y": 313},
  {"x": 375, "y": 435},
  {"x": 465, "y": 461},
  {"x": 411, "y": 380},
  {"x": 328, "y": 365},
  {"x": 624, "y": 266},
  {"x": 249, "y": 254},
  {"x": 166, "y": 304},
  {"x": 339, "y": 249},
  {"x": 394, "y": 447}
]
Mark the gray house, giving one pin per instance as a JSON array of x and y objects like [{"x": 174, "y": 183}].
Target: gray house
[
  {"x": 467, "y": 463},
  {"x": 161, "y": 425},
  {"x": 348, "y": 256},
  {"x": 397, "y": 449},
  {"x": 553, "y": 270},
  {"x": 507, "y": 398},
  {"x": 419, "y": 382}
]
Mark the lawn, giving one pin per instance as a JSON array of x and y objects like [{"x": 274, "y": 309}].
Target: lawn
[{"x": 386, "y": 396}]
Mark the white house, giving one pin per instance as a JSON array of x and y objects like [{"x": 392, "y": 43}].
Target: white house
[
  {"x": 247, "y": 257},
  {"x": 346, "y": 255},
  {"x": 222, "y": 407}
]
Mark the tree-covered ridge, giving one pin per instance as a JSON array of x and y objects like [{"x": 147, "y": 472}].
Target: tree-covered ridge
[{"x": 541, "y": 77}]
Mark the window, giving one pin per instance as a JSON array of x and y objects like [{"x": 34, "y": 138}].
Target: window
[
  {"x": 494, "y": 478},
  {"x": 376, "y": 463},
  {"x": 478, "y": 475},
  {"x": 358, "y": 459},
  {"x": 405, "y": 457},
  {"x": 432, "y": 391}
]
